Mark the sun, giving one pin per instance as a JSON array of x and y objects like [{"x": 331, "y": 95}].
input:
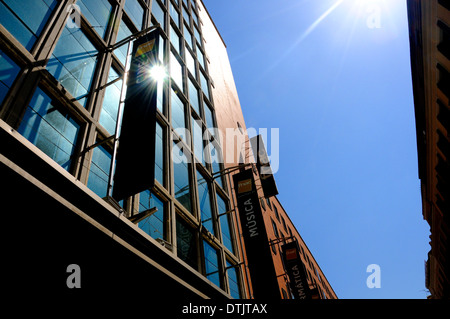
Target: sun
[{"x": 158, "y": 73}]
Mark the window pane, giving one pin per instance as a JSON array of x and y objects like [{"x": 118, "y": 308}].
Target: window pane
[
  {"x": 211, "y": 264},
  {"x": 205, "y": 203},
  {"x": 135, "y": 12},
  {"x": 215, "y": 160},
  {"x": 161, "y": 54},
  {"x": 233, "y": 281},
  {"x": 160, "y": 96},
  {"x": 176, "y": 71},
  {"x": 204, "y": 84},
  {"x": 174, "y": 39},
  {"x": 99, "y": 171},
  {"x": 195, "y": 17},
  {"x": 121, "y": 53},
  {"x": 159, "y": 154},
  {"x": 97, "y": 12},
  {"x": 110, "y": 108},
  {"x": 154, "y": 224},
  {"x": 186, "y": 243},
  {"x": 224, "y": 223},
  {"x": 51, "y": 130},
  {"x": 197, "y": 134},
  {"x": 197, "y": 35},
  {"x": 188, "y": 37},
  {"x": 275, "y": 229},
  {"x": 193, "y": 97},
  {"x": 181, "y": 177},
  {"x": 73, "y": 62},
  {"x": 175, "y": 16},
  {"x": 186, "y": 15},
  {"x": 158, "y": 13},
  {"x": 32, "y": 17},
  {"x": 178, "y": 115},
  {"x": 8, "y": 73},
  {"x": 200, "y": 57},
  {"x": 209, "y": 120},
  {"x": 190, "y": 62}
]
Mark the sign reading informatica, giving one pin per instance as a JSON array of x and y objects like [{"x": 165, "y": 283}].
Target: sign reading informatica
[
  {"x": 295, "y": 270},
  {"x": 135, "y": 167}
]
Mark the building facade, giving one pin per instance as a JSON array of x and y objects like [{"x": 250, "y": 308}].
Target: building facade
[
  {"x": 429, "y": 27},
  {"x": 281, "y": 230},
  {"x": 62, "y": 92}
]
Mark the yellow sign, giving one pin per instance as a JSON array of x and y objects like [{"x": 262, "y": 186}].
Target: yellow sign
[
  {"x": 145, "y": 47},
  {"x": 245, "y": 186}
]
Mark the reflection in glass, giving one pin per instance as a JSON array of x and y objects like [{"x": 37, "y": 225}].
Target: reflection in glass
[
  {"x": 211, "y": 264},
  {"x": 99, "y": 171},
  {"x": 205, "y": 203},
  {"x": 97, "y": 12},
  {"x": 154, "y": 224},
  {"x": 73, "y": 62},
  {"x": 233, "y": 281},
  {"x": 176, "y": 71},
  {"x": 111, "y": 101},
  {"x": 50, "y": 129},
  {"x": 181, "y": 177},
  {"x": 224, "y": 223},
  {"x": 186, "y": 243},
  {"x": 135, "y": 12},
  {"x": 28, "y": 20},
  {"x": 8, "y": 73}
]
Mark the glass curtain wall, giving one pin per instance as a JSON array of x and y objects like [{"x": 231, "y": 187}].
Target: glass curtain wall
[{"x": 75, "y": 105}]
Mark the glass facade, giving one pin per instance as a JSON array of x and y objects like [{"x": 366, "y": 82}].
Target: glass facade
[
  {"x": 154, "y": 224},
  {"x": 123, "y": 32},
  {"x": 99, "y": 171},
  {"x": 186, "y": 243},
  {"x": 204, "y": 201},
  {"x": 233, "y": 282},
  {"x": 50, "y": 128},
  {"x": 111, "y": 102},
  {"x": 71, "y": 114},
  {"x": 225, "y": 223},
  {"x": 181, "y": 167},
  {"x": 98, "y": 13},
  {"x": 25, "y": 19},
  {"x": 135, "y": 12},
  {"x": 211, "y": 263},
  {"x": 73, "y": 62},
  {"x": 8, "y": 73}
]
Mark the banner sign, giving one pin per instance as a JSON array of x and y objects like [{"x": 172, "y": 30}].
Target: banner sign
[
  {"x": 259, "y": 256},
  {"x": 262, "y": 163},
  {"x": 135, "y": 166},
  {"x": 295, "y": 270}
]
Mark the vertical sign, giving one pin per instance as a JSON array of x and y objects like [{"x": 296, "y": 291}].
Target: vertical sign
[
  {"x": 259, "y": 256},
  {"x": 295, "y": 270},
  {"x": 135, "y": 167},
  {"x": 262, "y": 162}
]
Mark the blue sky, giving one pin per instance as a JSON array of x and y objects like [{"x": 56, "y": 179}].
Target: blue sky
[{"x": 334, "y": 76}]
